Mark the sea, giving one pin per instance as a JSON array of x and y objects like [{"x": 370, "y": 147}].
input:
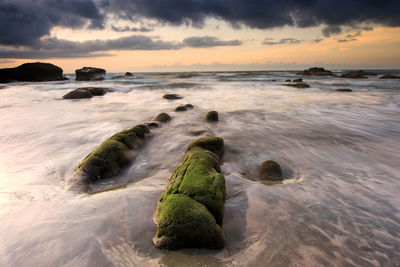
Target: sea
[{"x": 339, "y": 203}]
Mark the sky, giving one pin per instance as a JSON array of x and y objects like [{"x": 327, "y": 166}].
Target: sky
[{"x": 201, "y": 35}]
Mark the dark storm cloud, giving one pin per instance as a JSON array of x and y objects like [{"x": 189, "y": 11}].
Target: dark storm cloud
[
  {"x": 208, "y": 41},
  {"x": 23, "y": 22},
  {"x": 56, "y": 48},
  {"x": 270, "y": 41},
  {"x": 261, "y": 13}
]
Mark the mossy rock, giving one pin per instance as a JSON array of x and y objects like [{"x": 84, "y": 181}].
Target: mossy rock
[
  {"x": 191, "y": 208},
  {"x": 270, "y": 170},
  {"x": 185, "y": 223},
  {"x": 108, "y": 159},
  {"x": 212, "y": 116},
  {"x": 85, "y": 92},
  {"x": 162, "y": 117}
]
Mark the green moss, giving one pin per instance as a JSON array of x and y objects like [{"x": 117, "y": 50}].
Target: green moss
[
  {"x": 211, "y": 143},
  {"x": 198, "y": 178},
  {"x": 185, "y": 223},
  {"x": 108, "y": 159}
]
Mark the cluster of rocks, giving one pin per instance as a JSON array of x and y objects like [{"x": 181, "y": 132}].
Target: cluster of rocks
[
  {"x": 315, "y": 72},
  {"x": 357, "y": 74}
]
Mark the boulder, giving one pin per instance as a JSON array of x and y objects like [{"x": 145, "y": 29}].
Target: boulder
[
  {"x": 211, "y": 116},
  {"x": 357, "y": 74},
  {"x": 90, "y": 74},
  {"x": 344, "y": 90},
  {"x": 184, "y": 107},
  {"x": 85, "y": 92},
  {"x": 32, "y": 72},
  {"x": 288, "y": 80},
  {"x": 108, "y": 159},
  {"x": 315, "y": 72},
  {"x": 128, "y": 74},
  {"x": 389, "y": 76},
  {"x": 297, "y": 85},
  {"x": 190, "y": 210},
  {"x": 172, "y": 96},
  {"x": 270, "y": 170},
  {"x": 162, "y": 117},
  {"x": 300, "y": 80}
]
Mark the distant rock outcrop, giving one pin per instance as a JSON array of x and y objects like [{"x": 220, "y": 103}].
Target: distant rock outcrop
[
  {"x": 315, "y": 72},
  {"x": 128, "y": 74},
  {"x": 297, "y": 85},
  {"x": 90, "y": 74},
  {"x": 357, "y": 74},
  {"x": 85, "y": 92},
  {"x": 32, "y": 72},
  {"x": 389, "y": 76}
]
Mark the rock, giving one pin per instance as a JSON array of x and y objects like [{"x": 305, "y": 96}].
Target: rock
[
  {"x": 184, "y": 107},
  {"x": 128, "y": 74},
  {"x": 162, "y": 117},
  {"x": 187, "y": 75},
  {"x": 211, "y": 116},
  {"x": 152, "y": 125},
  {"x": 78, "y": 94},
  {"x": 270, "y": 170},
  {"x": 85, "y": 92},
  {"x": 190, "y": 211},
  {"x": 297, "y": 85},
  {"x": 108, "y": 159},
  {"x": 315, "y": 72},
  {"x": 288, "y": 80},
  {"x": 90, "y": 74},
  {"x": 32, "y": 72},
  {"x": 300, "y": 80},
  {"x": 389, "y": 76},
  {"x": 344, "y": 90},
  {"x": 172, "y": 96},
  {"x": 357, "y": 74}
]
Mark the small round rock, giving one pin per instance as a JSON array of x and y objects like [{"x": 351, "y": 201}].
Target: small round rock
[
  {"x": 270, "y": 171},
  {"x": 212, "y": 116}
]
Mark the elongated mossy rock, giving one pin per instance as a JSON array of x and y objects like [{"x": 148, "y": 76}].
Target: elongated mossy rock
[
  {"x": 108, "y": 159},
  {"x": 190, "y": 210}
]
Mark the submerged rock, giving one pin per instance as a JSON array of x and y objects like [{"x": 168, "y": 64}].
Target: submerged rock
[
  {"x": 85, "y": 92},
  {"x": 300, "y": 80},
  {"x": 270, "y": 170},
  {"x": 172, "y": 96},
  {"x": 190, "y": 211},
  {"x": 32, "y": 72},
  {"x": 211, "y": 116},
  {"x": 344, "y": 90},
  {"x": 389, "y": 76},
  {"x": 162, "y": 117},
  {"x": 90, "y": 74},
  {"x": 184, "y": 107},
  {"x": 297, "y": 85},
  {"x": 108, "y": 159},
  {"x": 315, "y": 72},
  {"x": 357, "y": 74}
]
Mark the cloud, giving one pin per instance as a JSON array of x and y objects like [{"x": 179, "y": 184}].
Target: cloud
[
  {"x": 131, "y": 29},
  {"x": 270, "y": 41},
  {"x": 24, "y": 22},
  {"x": 331, "y": 30},
  {"x": 350, "y": 37},
  {"x": 318, "y": 40},
  {"x": 208, "y": 41},
  {"x": 58, "y": 48}
]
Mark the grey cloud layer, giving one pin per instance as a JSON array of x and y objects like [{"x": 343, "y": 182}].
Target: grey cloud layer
[
  {"x": 270, "y": 41},
  {"x": 24, "y": 22},
  {"x": 56, "y": 48}
]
